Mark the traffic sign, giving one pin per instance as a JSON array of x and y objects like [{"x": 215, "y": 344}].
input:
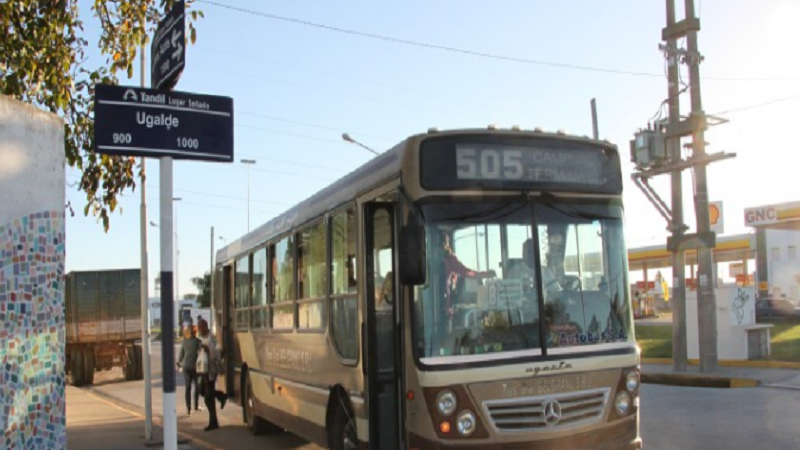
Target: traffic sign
[
  {"x": 147, "y": 122},
  {"x": 168, "y": 50}
]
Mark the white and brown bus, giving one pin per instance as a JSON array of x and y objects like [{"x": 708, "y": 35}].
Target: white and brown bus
[{"x": 464, "y": 290}]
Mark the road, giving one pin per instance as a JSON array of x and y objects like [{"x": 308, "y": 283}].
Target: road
[{"x": 673, "y": 418}]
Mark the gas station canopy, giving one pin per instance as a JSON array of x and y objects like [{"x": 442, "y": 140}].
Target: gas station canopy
[{"x": 734, "y": 248}]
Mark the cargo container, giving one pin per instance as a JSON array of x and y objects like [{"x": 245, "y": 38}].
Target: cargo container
[{"x": 103, "y": 322}]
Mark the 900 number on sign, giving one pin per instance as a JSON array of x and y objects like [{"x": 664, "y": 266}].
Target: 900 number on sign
[
  {"x": 188, "y": 143},
  {"x": 122, "y": 138}
]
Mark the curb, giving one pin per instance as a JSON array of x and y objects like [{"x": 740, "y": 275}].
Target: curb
[
  {"x": 760, "y": 364},
  {"x": 686, "y": 380}
]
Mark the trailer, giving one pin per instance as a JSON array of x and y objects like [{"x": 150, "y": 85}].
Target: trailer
[{"x": 103, "y": 324}]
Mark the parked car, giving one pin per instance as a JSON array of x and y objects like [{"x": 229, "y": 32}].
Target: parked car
[{"x": 777, "y": 309}]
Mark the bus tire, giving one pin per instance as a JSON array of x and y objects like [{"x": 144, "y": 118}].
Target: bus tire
[
  {"x": 257, "y": 425},
  {"x": 343, "y": 430},
  {"x": 88, "y": 366},
  {"x": 76, "y": 360}
]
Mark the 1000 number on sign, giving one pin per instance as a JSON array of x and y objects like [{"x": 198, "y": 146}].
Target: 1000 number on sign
[{"x": 188, "y": 143}]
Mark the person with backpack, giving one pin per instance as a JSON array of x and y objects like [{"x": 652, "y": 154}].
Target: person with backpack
[
  {"x": 209, "y": 364},
  {"x": 187, "y": 361}
]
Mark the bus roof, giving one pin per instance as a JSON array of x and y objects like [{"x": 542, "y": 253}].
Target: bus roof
[{"x": 375, "y": 171}]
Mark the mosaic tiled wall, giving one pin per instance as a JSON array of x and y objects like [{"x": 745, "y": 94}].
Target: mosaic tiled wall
[{"x": 32, "y": 414}]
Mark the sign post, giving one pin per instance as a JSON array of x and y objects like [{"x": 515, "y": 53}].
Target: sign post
[{"x": 164, "y": 124}]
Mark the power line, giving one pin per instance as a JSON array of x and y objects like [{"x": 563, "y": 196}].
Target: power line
[
  {"x": 756, "y": 105},
  {"x": 307, "y": 124},
  {"x": 412, "y": 43},
  {"x": 494, "y": 56},
  {"x": 402, "y": 89}
]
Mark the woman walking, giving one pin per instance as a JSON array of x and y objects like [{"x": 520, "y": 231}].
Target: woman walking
[
  {"x": 187, "y": 360},
  {"x": 210, "y": 362}
]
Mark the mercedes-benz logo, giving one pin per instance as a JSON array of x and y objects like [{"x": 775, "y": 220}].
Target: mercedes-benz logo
[{"x": 551, "y": 411}]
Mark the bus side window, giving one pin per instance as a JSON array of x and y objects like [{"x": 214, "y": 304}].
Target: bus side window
[{"x": 344, "y": 300}]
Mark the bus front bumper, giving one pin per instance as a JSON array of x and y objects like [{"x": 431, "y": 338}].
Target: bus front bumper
[{"x": 619, "y": 436}]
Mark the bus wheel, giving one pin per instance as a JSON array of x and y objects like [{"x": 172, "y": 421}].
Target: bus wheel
[
  {"x": 255, "y": 424},
  {"x": 343, "y": 433}
]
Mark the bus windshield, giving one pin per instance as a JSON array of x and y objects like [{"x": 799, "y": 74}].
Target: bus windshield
[{"x": 496, "y": 290}]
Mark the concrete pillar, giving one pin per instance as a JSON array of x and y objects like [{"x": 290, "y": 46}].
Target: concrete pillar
[{"x": 32, "y": 330}]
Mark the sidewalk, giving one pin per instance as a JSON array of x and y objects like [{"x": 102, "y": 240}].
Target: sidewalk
[
  {"x": 94, "y": 423},
  {"x": 232, "y": 434},
  {"x": 741, "y": 376}
]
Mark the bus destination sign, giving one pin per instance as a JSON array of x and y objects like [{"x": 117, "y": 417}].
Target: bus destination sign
[
  {"x": 480, "y": 162},
  {"x": 519, "y": 164},
  {"x": 146, "y": 122}
]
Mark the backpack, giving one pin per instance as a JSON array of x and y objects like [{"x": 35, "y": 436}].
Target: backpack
[{"x": 202, "y": 362}]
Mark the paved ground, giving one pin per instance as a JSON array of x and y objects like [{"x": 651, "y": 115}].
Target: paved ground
[
  {"x": 94, "y": 423},
  {"x": 233, "y": 434},
  {"x": 672, "y": 417},
  {"x": 732, "y": 419}
]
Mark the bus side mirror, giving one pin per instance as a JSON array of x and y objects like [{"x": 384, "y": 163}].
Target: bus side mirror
[{"x": 412, "y": 255}]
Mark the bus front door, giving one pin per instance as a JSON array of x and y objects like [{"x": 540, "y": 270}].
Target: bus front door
[{"x": 380, "y": 355}]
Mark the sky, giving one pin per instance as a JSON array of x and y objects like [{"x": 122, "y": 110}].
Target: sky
[{"x": 297, "y": 88}]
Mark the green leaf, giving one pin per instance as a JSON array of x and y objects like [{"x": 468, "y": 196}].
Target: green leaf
[{"x": 194, "y": 35}]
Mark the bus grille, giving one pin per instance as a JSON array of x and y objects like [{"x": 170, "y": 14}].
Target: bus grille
[{"x": 551, "y": 412}]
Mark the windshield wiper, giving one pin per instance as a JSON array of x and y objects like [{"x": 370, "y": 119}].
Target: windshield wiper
[
  {"x": 548, "y": 199},
  {"x": 482, "y": 215}
]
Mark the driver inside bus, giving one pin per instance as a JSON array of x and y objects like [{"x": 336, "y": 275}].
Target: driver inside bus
[
  {"x": 453, "y": 270},
  {"x": 527, "y": 269}
]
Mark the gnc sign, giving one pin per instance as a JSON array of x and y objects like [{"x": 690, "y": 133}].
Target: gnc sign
[{"x": 762, "y": 215}]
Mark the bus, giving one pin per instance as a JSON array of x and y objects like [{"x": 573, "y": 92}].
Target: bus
[{"x": 466, "y": 289}]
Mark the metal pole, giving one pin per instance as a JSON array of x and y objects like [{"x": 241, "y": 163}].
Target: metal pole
[
  {"x": 143, "y": 281},
  {"x": 595, "y": 131},
  {"x": 211, "y": 289},
  {"x": 248, "y": 198},
  {"x": 167, "y": 308},
  {"x": 679, "y": 350},
  {"x": 177, "y": 254},
  {"x": 706, "y": 301}
]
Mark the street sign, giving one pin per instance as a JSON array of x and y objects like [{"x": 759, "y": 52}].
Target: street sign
[
  {"x": 168, "y": 50},
  {"x": 146, "y": 122}
]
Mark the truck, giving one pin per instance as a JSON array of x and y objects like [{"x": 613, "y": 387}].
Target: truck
[{"x": 103, "y": 324}]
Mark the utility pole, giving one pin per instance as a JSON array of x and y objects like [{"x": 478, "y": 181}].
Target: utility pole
[
  {"x": 145, "y": 294},
  {"x": 679, "y": 350},
  {"x": 657, "y": 150},
  {"x": 706, "y": 300}
]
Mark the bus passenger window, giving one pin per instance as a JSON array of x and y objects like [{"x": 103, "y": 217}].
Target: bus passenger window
[{"x": 344, "y": 303}]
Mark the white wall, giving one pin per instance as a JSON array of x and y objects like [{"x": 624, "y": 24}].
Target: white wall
[
  {"x": 735, "y": 312},
  {"x": 782, "y": 272}
]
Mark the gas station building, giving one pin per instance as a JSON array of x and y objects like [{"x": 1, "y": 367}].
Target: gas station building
[{"x": 766, "y": 258}]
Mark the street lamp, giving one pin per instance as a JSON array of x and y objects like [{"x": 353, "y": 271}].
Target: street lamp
[
  {"x": 347, "y": 138},
  {"x": 248, "y": 163}
]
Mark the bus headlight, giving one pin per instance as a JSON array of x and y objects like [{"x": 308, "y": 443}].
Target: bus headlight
[
  {"x": 622, "y": 403},
  {"x": 446, "y": 402},
  {"x": 466, "y": 423},
  {"x": 632, "y": 381}
]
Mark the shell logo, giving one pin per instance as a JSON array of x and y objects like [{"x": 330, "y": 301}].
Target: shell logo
[{"x": 713, "y": 213}]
